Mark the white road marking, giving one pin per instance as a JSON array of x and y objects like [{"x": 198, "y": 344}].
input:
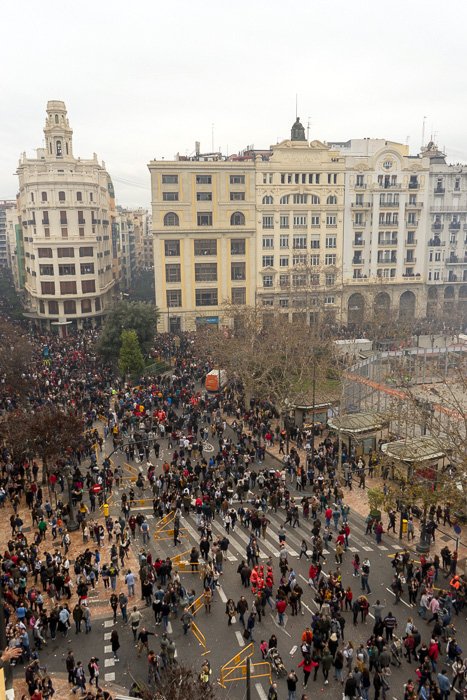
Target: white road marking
[
  {"x": 240, "y": 639},
  {"x": 108, "y": 649},
  {"x": 402, "y": 601},
  {"x": 109, "y": 662},
  {"x": 383, "y": 548},
  {"x": 109, "y": 677},
  {"x": 260, "y": 691},
  {"x": 108, "y": 623},
  {"x": 368, "y": 549},
  {"x": 107, "y": 636},
  {"x": 293, "y": 650},
  {"x": 281, "y": 627},
  {"x": 222, "y": 595},
  {"x": 169, "y": 627}
]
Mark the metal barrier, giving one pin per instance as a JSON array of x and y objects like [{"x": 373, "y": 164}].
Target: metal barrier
[{"x": 239, "y": 667}]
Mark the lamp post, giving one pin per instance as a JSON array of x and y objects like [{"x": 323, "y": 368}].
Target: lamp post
[{"x": 72, "y": 525}]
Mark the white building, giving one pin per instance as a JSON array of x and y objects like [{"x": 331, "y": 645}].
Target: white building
[{"x": 65, "y": 206}]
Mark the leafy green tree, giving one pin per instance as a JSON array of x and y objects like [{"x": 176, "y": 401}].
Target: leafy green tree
[
  {"x": 130, "y": 360},
  {"x": 127, "y": 315}
]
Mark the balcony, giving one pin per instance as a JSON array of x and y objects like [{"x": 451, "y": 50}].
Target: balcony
[
  {"x": 358, "y": 243},
  {"x": 413, "y": 242},
  {"x": 437, "y": 227},
  {"x": 413, "y": 205},
  {"x": 358, "y": 261},
  {"x": 389, "y": 205},
  {"x": 456, "y": 260},
  {"x": 414, "y": 185},
  {"x": 45, "y": 222},
  {"x": 361, "y": 205},
  {"x": 360, "y": 186},
  {"x": 455, "y": 226},
  {"x": 410, "y": 261},
  {"x": 387, "y": 243},
  {"x": 387, "y": 261},
  {"x": 298, "y": 226},
  {"x": 359, "y": 224},
  {"x": 411, "y": 223},
  {"x": 439, "y": 190}
]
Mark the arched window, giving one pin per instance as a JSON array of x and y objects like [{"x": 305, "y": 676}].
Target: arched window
[
  {"x": 315, "y": 199},
  {"x": 171, "y": 219},
  {"x": 58, "y": 148},
  {"x": 332, "y": 199},
  {"x": 61, "y": 196},
  {"x": 267, "y": 199},
  {"x": 56, "y": 119},
  {"x": 285, "y": 199},
  {"x": 237, "y": 219},
  {"x": 44, "y": 196}
]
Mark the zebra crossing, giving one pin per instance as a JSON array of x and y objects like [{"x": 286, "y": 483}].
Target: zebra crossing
[{"x": 269, "y": 545}]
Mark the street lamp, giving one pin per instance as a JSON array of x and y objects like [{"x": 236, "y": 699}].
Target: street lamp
[{"x": 72, "y": 525}]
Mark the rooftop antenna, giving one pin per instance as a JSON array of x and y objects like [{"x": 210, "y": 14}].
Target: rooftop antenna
[
  {"x": 423, "y": 132},
  {"x": 308, "y": 130}
]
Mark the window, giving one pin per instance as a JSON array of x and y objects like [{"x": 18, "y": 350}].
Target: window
[
  {"x": 206, "y": 297},
  {"x": 98, "y": 304},
  {"x": 87, "y": 268},
  {"x": 331, "y": 220},
  {"x": 66, "y": 252},
  {"x": 284, "y": 221},
  {"x": 330, "y": 279},
  {"x": 86, "y": 307},
  {"x": 332, "y": 178},
  {"x": 315, "y": 220},
  {"x": 53, "y": 308},
  {"x": 285, "y": 199},
  {"x": 46, "y": 269},
  {"x": 267, "y": 281},
  {"x": 284, "y": 261},
  {"x": 411, "y": 218},
  {"x": 172, "y": 273},
  {"x": 268, "y": 199},
  {"x": 79, "y": 196},
  {"x": 300, "y": 198},
  {"x": 284, "y": 240},
  {"x": 203, "y": 179},
  {"x": 66, "y": 270},
  {"x": 332, "y": 199},
  {"x": 237, "y": 246},
  {"x": 45, "y": 218},
  {"x": 174, "y": 297},
  {"x": 206, "y": 246},
  {"x": 170, "y": 196},
  {"x": 284, "y": 281},
  {"x": 299, "y": 242},
  {"x": 204, "y": 218},
  {"x": 267, "y": 301},
  {"x": 268, "y": 222},
  {"x": 170, "y": 179},
  {"x": 315, "y": 242},
  {"x": 86, "y": 252},
  {"x": 238, "y": 295},
  {"x": 331, "y": 241},
  {"x": 314, "y": 259},
  {"x": 360, "y": 181},
  {"x": 299, "y": 280},
  {"x": 171, "y": 219},
  {"x": 330, "y": 259},
  {"x": 88, "y": 286},
  {"x": 81, "y": 219},
  {"x": 237, "y": 196},
  {"x": 315, "y": 199},
  {"x": 237, "y": 219},
  {"x": 48, "y": 287},
  {"x": 204, "y": 196},
  {"x": 69, "y": 306},
  {"x": 61, "y": 196},
  {"x": 268, "y": 242},
  {"x": 68, "y": 288},
  {"x": 329, "y": 300},
  {"x": 64, "y": 232},
  {"x": 268, "y": 260},
  {"x": 237, "y": 179},
  {"x": 300, "y": 221},
  {"x": 284, "y": 303},
  {"x": 237, "y": 271},
  {"x": 44, "y": 196},
  {"x": 172, "y": 248},
  {"x": 299, "y": 259},
  {"x": 206, "y": 272},
  {"x": 63, "y": 219}
]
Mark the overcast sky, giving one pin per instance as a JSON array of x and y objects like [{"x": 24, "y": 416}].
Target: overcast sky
[{"x": 145, "y": 80}]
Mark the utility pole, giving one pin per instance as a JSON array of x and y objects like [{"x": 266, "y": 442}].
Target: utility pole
[{"x": 248, "y": 679}]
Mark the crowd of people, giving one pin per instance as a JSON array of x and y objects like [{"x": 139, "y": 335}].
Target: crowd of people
[{"x": 46, "y": 595}]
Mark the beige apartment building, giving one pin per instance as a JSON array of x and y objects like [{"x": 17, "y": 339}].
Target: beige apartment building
[
  {"x": 65, "y": 208},
  {"x": 203, "y": 221}
]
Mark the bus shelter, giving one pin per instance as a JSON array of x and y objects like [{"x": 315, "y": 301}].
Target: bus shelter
[{"x": 359, "y": 430}]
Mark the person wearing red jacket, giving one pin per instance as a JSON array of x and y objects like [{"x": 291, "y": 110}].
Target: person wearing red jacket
[{"x": 281, "y": 605}]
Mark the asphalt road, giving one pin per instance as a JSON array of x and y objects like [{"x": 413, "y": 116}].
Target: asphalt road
[{"x": 223, "y": 642}]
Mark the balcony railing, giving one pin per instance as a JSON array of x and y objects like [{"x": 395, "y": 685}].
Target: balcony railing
[
  {"x": 358, "y": 261},
  {"x": 390, "y": 243},
  {"x": 414, "y": 185},
  {"x": 359, "y": 243},
  {"x": 413, "y": 242},
  {"x": 359, "y": 224},
  {"x": 411, "y": 223},
  {"x": 413, "y": 205},
  {"x": 454, "y": 226},
  {"x": 410, "y": 261},
  {"x": 360, "y": 186},
  {"x": 365, "y": 205},
  {"x": 440, "y": 190},
  {"x": 389, "y": 205}
]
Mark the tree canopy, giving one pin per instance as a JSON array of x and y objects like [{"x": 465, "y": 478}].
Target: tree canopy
[
  {"x": 130, "y": 359},
  {"x": 138, "y": 316}
]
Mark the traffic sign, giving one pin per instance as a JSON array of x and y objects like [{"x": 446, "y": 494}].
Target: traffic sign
[{"x": 96, "y": 488}]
